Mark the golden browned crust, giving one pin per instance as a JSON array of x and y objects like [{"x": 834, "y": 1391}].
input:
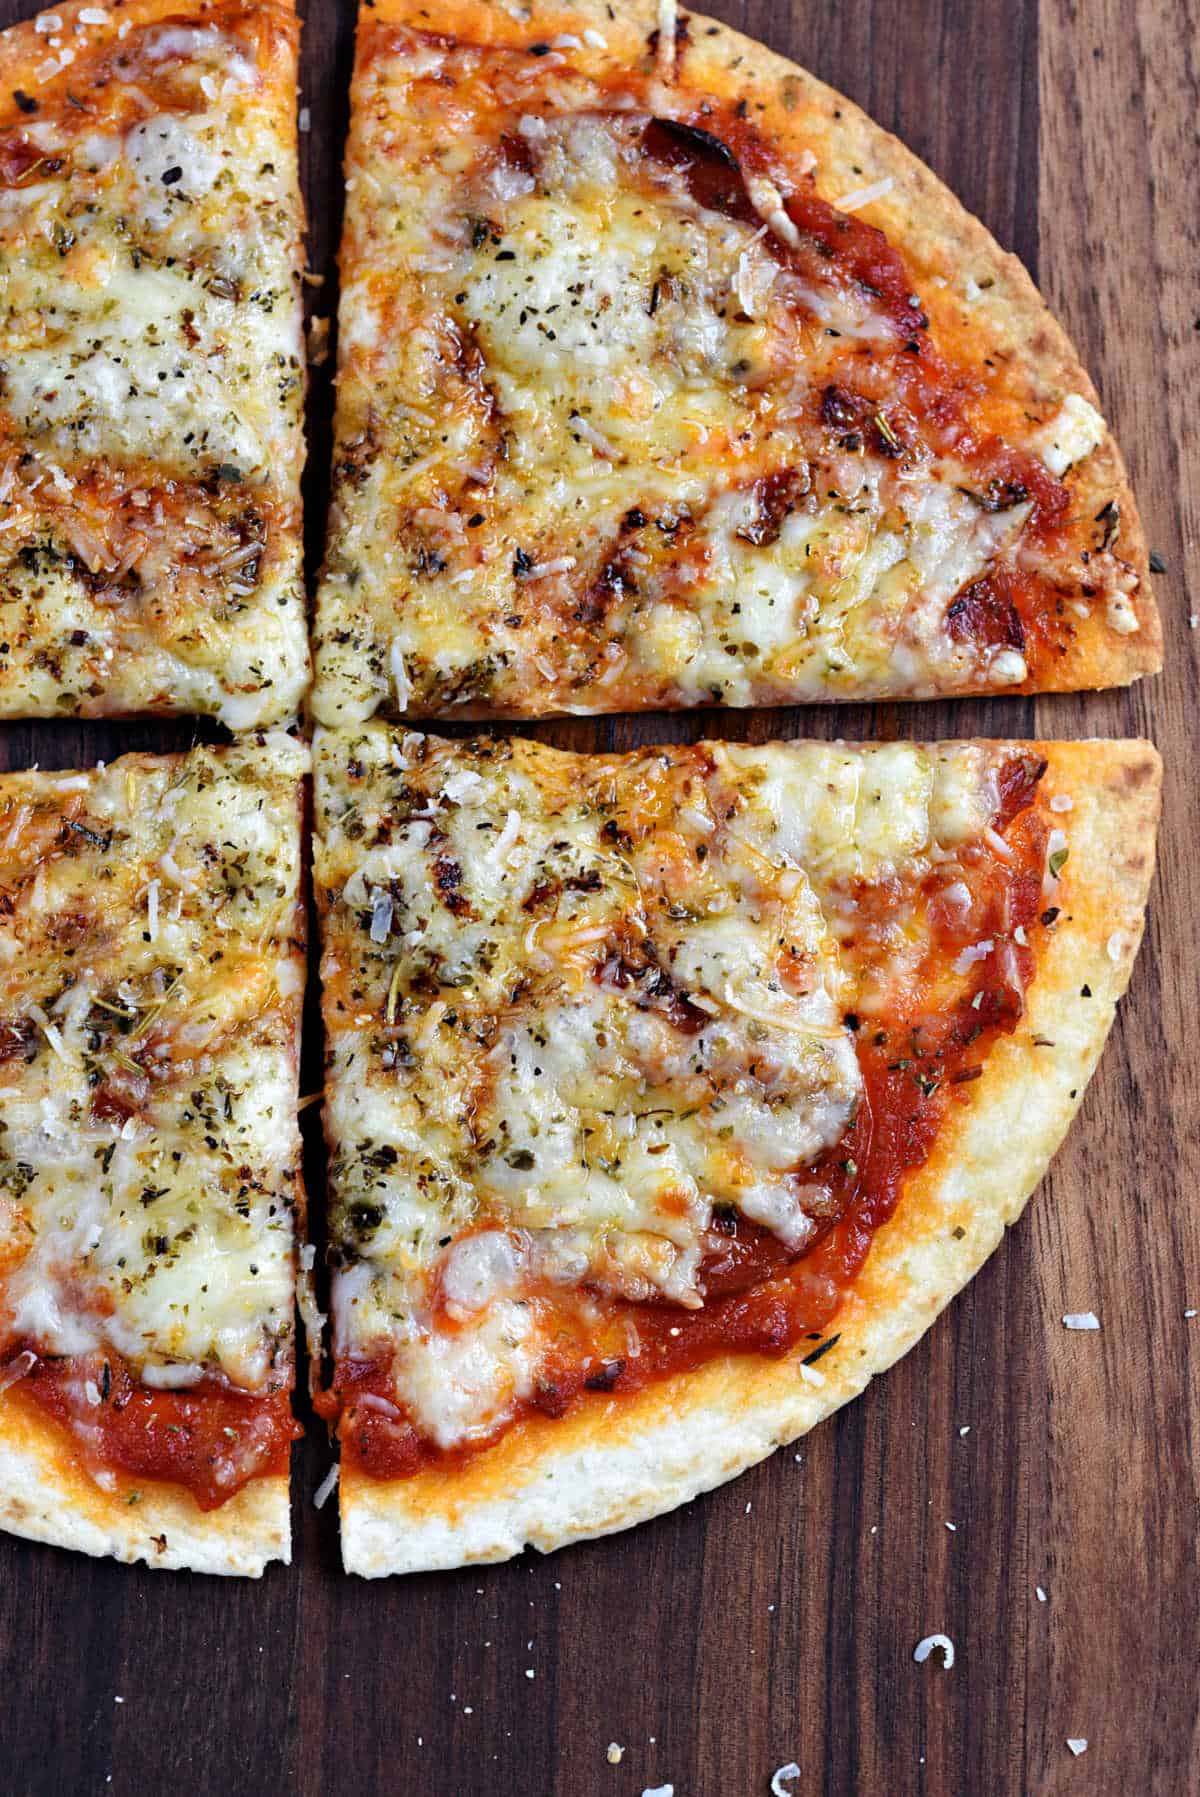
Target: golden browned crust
[{"x": 613, "y": 1462}]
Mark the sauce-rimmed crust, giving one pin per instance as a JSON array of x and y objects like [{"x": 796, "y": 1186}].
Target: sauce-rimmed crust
[
  {"x": 666, "y": 380},
  {"x": 151, "y": 982},
  {"x": 471, "y": 1367},
  {"x": 151, "y": 362}
]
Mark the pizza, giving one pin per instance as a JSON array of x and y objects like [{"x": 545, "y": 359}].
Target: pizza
[
  {"x": 151, "y": 366},
  {"x": 151, "y": 977},
  {"x": 667, "y": 378},
  {"x": 670, "y": 1096}
]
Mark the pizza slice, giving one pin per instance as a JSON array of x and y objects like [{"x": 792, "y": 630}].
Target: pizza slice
[
  {"x": 151, "y": 976},
  {"x": 671, "y": 1095},
  {"x": 667, "y": 378},
  {"x": 151, "y": 367}
]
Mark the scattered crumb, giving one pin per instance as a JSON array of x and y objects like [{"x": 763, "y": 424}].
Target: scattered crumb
[
  {"x": 1077, "y": 1744},
  {"x": 924, "y": 1648},
  {"x": 326, "y": 1486},
  {"x": 529, "y": 1672},
  {"x": 965, "y": 1429},
  {"x": 1081, "y": 1319},
  {"x": 1194, "y": 621},
  {"x": 953, "y": 1527},
  {"x": 304, "y": 122},
  {"x": 614, "y": 1753},
  {"x": 318, "y": 341},
  {"x": 1189, "y": 1313},
  {"x": 788, "y": 1772},
  {"x": 1041, "y": 1595}
]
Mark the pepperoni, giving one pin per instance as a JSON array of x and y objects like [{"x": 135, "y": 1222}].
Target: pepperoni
[
  {"x": 1018, "y": 783},
  {"x": 710, "y": 168},
  {"x": 983, "y": 614}
]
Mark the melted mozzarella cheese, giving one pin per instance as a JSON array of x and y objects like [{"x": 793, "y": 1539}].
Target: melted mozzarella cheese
[
  {"x": 151, "y": 380},
  {"x": 562, "y": 382},
  {"x": 576, "y": 1036},
  {"x": 459, "y": 1386},
  {"x": 148, "y": 1143},
  {"x": 844, "y": 814}
]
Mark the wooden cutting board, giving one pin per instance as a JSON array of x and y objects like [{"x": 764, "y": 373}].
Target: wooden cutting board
[{"x": 775, "y": 1620}]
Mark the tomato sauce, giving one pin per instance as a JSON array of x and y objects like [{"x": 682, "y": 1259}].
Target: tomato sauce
[
  {"x": 761, "y": 1298},
  {"x": 210, "y": 1439}
]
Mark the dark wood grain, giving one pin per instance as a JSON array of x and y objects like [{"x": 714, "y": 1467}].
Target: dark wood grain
[{"x": 722, "y": 1641}]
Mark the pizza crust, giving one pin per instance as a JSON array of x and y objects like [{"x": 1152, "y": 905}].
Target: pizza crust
[
  {"x": 45, "y": 1495},
  {"x": 978, "y": 295},
  {"x": 613, "y": 1462}
]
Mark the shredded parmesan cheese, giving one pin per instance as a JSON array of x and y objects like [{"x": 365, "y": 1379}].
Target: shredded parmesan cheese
[
  {"x": 327, "y": 1486},
  {"x": 865, "y": 196}
]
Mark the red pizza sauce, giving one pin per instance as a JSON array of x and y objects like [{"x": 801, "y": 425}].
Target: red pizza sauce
[
  {"x": 761, "y": 1298},
  {"x": 210, "y": 1439}
]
